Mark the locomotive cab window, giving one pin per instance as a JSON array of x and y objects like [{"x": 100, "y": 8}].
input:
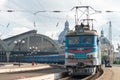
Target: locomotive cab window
[
  {"x": 87, "y": 40},
  {"x": 73, "y": 40}
]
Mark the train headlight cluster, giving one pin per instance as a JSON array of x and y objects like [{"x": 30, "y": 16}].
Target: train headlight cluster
[
  {"x": 81, "y": 64},
  {"x": 90, "y": 56}
]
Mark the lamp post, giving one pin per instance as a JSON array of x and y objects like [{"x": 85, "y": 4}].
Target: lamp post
[
  {"x": 33, "y": 51},
  {"x": 19, "y": 44}
]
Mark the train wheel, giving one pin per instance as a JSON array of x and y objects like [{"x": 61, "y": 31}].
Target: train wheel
[
  {"x": 94, "y": 70},
  {"x": 70, "y": 71},
  {"x": 98, "y": 68}
]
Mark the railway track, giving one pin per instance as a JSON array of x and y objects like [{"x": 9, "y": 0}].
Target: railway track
[
  {"x": 95, "y": 76},
  {"x": 91, "y": 77}
]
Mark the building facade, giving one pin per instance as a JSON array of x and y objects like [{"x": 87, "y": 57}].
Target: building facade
[{"x": 106, "y": 48}]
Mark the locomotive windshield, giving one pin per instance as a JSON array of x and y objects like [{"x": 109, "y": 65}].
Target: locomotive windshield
[
  {"x": 73, "y": 40},
  {"x": 87, "y": 40}
]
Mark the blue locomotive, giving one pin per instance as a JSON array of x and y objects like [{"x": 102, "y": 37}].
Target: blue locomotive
[
  {"x": 82, "y": 48},
  {"x": 82, "y": 52}
]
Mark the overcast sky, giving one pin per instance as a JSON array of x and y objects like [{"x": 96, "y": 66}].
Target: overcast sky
[{"x": 23, "y": 18}]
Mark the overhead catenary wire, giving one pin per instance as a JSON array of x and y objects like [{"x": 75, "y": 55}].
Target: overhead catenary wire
[
  {"x": 54, "y": 11},
  {"x": 35, "y": 12},
  {"x": 38, "y": 11},
  {"x": 45, "y": 11}
]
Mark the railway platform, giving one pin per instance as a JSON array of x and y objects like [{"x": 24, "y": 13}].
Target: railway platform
[
  {"x": 111, "y": 73},
  {"x": 14, "y": 67},
  {"x": 30, "y": 72}
]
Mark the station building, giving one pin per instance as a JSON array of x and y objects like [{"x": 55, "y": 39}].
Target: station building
[
  {"x": 106, "y": 47},
  {"x": 28, "y": 43}
]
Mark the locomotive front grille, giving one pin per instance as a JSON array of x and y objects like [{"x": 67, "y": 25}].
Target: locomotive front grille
[{"x": 80, "y": 64}]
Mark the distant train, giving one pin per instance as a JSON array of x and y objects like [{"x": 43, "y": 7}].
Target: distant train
[{"x": 45, "y": 59}]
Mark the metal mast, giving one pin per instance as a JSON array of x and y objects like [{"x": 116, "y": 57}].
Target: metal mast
[{"x": 110, "y": 31}]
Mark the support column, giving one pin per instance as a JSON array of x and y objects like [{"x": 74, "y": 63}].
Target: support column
[
  {"x": 8, "y": 56},
  {"x": 28, "y": 42}
]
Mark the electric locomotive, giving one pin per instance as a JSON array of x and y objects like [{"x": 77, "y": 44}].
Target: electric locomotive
[
  {"x": 82, "y": 52},
  {"x": 82, "y": 48}
]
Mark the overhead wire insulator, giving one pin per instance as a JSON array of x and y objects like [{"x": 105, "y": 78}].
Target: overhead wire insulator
[
  {"x": 57, "y": 11},
  {"x": 10, "y": 11},
  {"x": 109, "y": 11}
]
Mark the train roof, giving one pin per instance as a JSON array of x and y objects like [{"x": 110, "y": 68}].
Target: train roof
[{"x": 85, "y": 32}]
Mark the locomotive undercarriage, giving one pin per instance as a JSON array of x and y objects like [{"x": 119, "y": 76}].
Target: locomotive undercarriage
[{"x": 86, "y": 70}]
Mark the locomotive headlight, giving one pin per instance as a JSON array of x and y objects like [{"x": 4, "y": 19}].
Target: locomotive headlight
[{"x": 90, "y": 56}]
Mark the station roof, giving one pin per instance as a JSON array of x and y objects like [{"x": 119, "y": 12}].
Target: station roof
[{"x": 16, "y": 36}]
